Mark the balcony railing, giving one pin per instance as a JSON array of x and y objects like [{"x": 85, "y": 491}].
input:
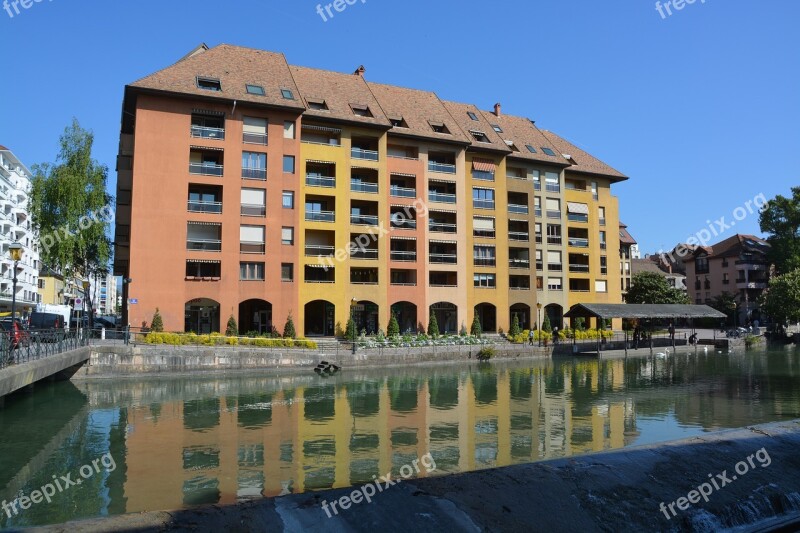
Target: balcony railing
[
  {"x": 518, "y": 209},
  {"x": 406, "y": 223},
  {"x": 578, "y": 243},
  {"x": 254, "y": 173},
  {"x": 254, "y": 138},
  {"x": 479, "y": 203},
  {"x": 554, "y": 214},
  {"x": 204, "y": 245},
  {"x": 203, "y": 132},
  {"x": 320, "y": 181},
  {"x": 206, "y": 169},
  {"x": 602, "y": 221},
  {"x": 539, "y": 238},
  {"x": 537, "y": 185},
  {"x": 579, "y": 268},
  {"x": 320, "y": 216},
  {"x": 199, "y": 206},
  {"x": 441, "y": 197},
  {"x": 363, "y": 186},
  {"x": 538, "y": 212},
  {"x": 555, "y": 240},
  {"x": 364, "y": 253},
  {"x": 254, "y": 210},
  {"x": 553, "y": 187},
  {"x": 251, "y": 247},
  {"x": 603, "y": 246},
  {"x": 555, "y": 267},
  {"x": 361, "y": 153},
  {"x": 519, "y": 263},
  {"x": 402, "y": 192},
  {"x": 519, "y": 236},
  {"x": 442, "y": 227},
  {"x": 364, "y": 220},
  {"x": 407, "y": 257},
  {"x": 445, "y": 168},
  {"x": 443, "y": 259},
  {"x": 484, "y": 233},
  {"x": 316, "y": 250},
  {"x": 484, "y": 261},
  {"x": 575, "y": 217}
]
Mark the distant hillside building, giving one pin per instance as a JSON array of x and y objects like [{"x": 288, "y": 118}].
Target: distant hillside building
[{"x": 661, "y": 265}]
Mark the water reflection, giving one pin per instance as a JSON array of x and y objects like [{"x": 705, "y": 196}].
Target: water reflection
[{"x": 189, "y": 441}]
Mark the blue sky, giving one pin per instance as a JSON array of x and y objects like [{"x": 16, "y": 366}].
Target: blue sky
[{"x": 700, "y": 108}]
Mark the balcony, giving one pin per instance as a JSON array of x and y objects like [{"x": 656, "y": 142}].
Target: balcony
[
  {"x": 363, "y": 187},
  {"x": 443, "y": 279},
  {"x": 253, "y": 210},
  {"x": 441, "y": 197},
  {"x": 482, "y": 203},
  {"x": 579, "y": 268},
  {"x": 316, "y": 180},
  {"x": 519, "y": 262},
  {"x": 484, "y": 261},
  {"x": 364, "y": 154},
  {"x": 578, "y": 243},
  {"x": 403, "y": 256},
  {"x": 521, "y": 236},
  {"x": 363, "y": 220},
  {"x": 320, "y": 216},
  {"x": 443, "y": 259},
  {"x": 319, "y": 274},
  {"x": 316, "y": 250},
  {"x": 444, "y": 168},
  {"x": 254, "y": 174},
  {"x": 402, "y": 192},
  {"x": 204, "y": 245},
  {"x": 442, "y": 227},
  {"x": 252, "y": 247},
  {"x": 206, "y": 169},
  {"x": 484, "y": 233},
  {"x": 403, "y": 278},
  {"x": 364, "y": 253},
  {"x": 205, "y": 132},
  {"x": 576, "y": 217},
  {"x": 517, "y": 209},
  {"x": 202, "y": 206}
]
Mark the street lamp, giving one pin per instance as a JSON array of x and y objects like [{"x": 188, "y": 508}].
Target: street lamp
[
  {"x": 15, "y": 249},
  {"x": 539, "y": 321},
  {"x": 353, "y": 304},
  {"x": 86, "y": 284}
]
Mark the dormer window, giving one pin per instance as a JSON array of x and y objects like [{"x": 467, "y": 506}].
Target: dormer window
[
  {"x": 318, "y": 105},
  {"x": 479, "y": 136},
  {"x": 439, "y": 127},
  {"x": 398, "y": 121},
  {"x": 512, "y": 146},
  {"x": 209, "y": 84},
  {"x": 361, "y": 110}
]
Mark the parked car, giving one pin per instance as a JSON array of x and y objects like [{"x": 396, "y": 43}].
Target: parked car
[{"x": 46, "y": 326}]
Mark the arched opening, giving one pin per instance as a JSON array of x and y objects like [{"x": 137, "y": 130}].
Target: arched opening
[
  {"x": 366, "y": 317},
  {"x": 201, "y": 316},
  {"x": 255, "y": 316},
  {"x": 319, "y": 319},
  {"x": 523, "y": 314},
  {"x": 556, "y": 315},
  {"x": 487, "y": 314},
  {"x": 406, "y": 315},
  {"x": 446, "y": 316}
]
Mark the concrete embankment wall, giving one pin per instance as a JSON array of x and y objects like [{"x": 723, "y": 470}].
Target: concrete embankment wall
[
  {"x": 16, "y": 377},
  {"x": 749, "y": 478},
  {"x": 115, "y": 361}
]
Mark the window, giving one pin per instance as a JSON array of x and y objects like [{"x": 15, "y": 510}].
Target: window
[
  {"x": 483, "y": 198},
  {"x": 251, "y": 271},
  {"x": 553, "y": 208},
  {"x": 600, "y": 285},
  {"x": 288, "y": 130},
  {"x": 483, "y": 255},
  {"x": 287, "y": 236},
  {"x": 530, "y": 148},
  {"x": 254, "y": 165},
  {"x": 548, "y": 151},
  {"x": 287, "y": 199},
  {"x": 439, "y": 127},
  {"x": 513, "y": 146},
  {"x": 398, "y": 122},
  {"x": 603, "y": 240},
  {"x": 251, "y": 239},
  {"x": 318, "y": 105},
  {"x": 209, "y": 84},
  {"x": 552, "y": 182},
  {"x": 725, "y": 279},
  {"x": 497, "y": 128},
  {"x": 258, "y": 90},
  {"x": 255, "y": 130},
  {"x": 603, "y": 265},
  {"x": 287, "y": 272},
  {"x": 41, "y": 283},
  {"x": 479, "y": 136},
  {"x": 472, "y": 116},
  {"x": 254, "y": 202},
  {"x": 361, "y": 110},
  {"x": 287, "y": 94},
  {"x": 288, "y": 164},
  {"x": 701, "y": 265},
  {"x": 554, "y": 284},
  {"x": 485, "y": 281},
  {"x": 601, "y": 215}
]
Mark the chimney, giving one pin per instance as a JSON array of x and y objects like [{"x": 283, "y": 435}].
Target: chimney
[
  {"x": 498, "y": 110},
  {"x": 360, "y": 71}
]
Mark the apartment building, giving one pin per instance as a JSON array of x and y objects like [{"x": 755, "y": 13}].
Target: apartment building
[
  {"x": 15, "y": 226},
  {"x": 103, "y": 294},
  {"x": 348, "y": 197},
  {"x": 626, "y": 256},
  {"x": 737, "y": 265}
]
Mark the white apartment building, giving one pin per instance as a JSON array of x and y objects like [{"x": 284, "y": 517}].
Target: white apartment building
[{"x": 104, "y": 295}]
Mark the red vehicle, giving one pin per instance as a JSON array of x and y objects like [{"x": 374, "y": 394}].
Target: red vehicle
[{"x": 15, "y": 331}]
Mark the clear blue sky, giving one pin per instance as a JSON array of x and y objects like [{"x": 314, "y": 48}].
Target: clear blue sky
[{"x": 701, "y": 109}]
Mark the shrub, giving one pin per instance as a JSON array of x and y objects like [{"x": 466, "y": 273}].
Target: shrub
[
  {"x": 157, "y": 324},
  {"x": 288, "y": 329},
  {"x": 433, "y": 326},
  {"x": 393, "y": 330},
  {"x": 350, "y": 331},
  {"x": 476, "y": 328},
  {"x": 580, "y": 324},
  {"x": 546, "y": 324},
  {"x": 513, "y": 331},
  {"x": 486, "y": 353},
  {"x": 232, "y": 330}
]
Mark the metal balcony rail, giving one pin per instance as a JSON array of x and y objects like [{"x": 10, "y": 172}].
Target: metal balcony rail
[
  {"x": 554, "y": 214},
  {"x": 445, "y": 168},
  {"x": 363, "y": 186},
  {"x": 442, "y": 227},
  {"x": 578, "y": 243},
  {"x": 364, "y": 253},
  {"x": 402, "y": 192},
  {"x": 320, "y": 181},
  {"x": 573, "y": 267},
  {"x": 318, "y": 250},
  {"x": 441, "y": 197},
  {"x": 202, "y": 206},
  {"x": 485, "y": 233},
  {"x": 521, "y": 236},
  {"x": 252, "y": 247},
  {"x": 555, "y": 267},
  {"x": 484, "y": 261},
  {"x": 519, "y": 263},
  {"x": 575, "y": 217},
  {"x": 479, "y": 203},
  {"x": 320, "y": 216},
  {"x": 407, "y": 223},
  {"x": 204, "y": 132},
  {"x": 254, "y": 210},
  {"x": 443, "y": 259},
  {"x": 518, "y": 209},
  {"x": 403, "y": 256},
  {"x": 361, "y": 153},
  {"x": 254, "y": 173},
  {"x": 255, "y": 138},
  {"x": 553, "y": 187},
  {"x": 364, "y": 220},
  {"x": 206, "y": 169},
  {"x": 204, "y": 245}
]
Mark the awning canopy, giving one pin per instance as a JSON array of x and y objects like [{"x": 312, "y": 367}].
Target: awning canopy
[
  {"x": 577, "y": 209},
  {"x": 314, "y": 127},
  {"x": 483, "y": 165},
  {"x": 642, "y": 311}
]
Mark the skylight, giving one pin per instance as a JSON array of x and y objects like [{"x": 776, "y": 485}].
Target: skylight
[
  {"x": 472, "y": 115},
  {"x": 258, "y": 90},
  {"x": 361, "y": 110},
  {"x": 548, "y": 151},
  {"x": 209, "y": 84},
  {"x": 287, "y": 94},
  {"x": 497, "y": 128},
  {"x": 479, "y": 136},
  {"x": 530, "y": 148}
]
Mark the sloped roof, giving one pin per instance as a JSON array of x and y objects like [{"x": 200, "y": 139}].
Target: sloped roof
[
  {"x": 642, "y": 311},
  {"x": 523, "y": 132},
  {"x": 582, "y": 161},
  {"x": 624, "y": 236},
  {"x": 732, "y": 247},
  {"x": 459, "y": 113}
]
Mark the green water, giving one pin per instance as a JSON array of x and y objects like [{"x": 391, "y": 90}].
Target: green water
[{"x": 154, "y": 444}]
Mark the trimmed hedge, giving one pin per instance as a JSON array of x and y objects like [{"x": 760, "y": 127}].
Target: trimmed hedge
[{"x": 216, "y": 339}]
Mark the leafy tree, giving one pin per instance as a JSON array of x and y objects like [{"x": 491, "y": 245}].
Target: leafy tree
[
  {"x": 514, "y": 330},
  {"x": 393, "y": 330},
  {"x": 652, "y": 288},
  {"x": 351, "y": 332},
  {"x": 71, "y": 209},
  {"x": 782, "y": 300},
  {"x": 476, "y": 328},
  {"x": 433, "y": 326},
  {"x": 288, "y": 329},
  {"x": 232, "y": 330},
  {"x": 546, "y": 326},
  {"x": 781, "y": 219},
  {"x": 580, "y": 324},
  {"x": 724, "y": 303},
  {"x": 157, "y": 325}
]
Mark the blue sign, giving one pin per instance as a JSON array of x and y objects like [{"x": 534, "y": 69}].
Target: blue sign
[{"x": 133, "y": 301}]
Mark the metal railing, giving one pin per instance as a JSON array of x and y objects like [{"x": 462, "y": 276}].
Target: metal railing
[
  {"x": 364, "y": 253},
  {"x": 404, "y": 256},
  {"x": 442, "y": 227},
  {"x": 402, "y": 192},
  {"x": 320, "y": 216},
  {"x": 26, "y": 346},
  {"x": 578, "y": 268},
  {"x": 204, "y": 245},
  {"x": 518, "y": 209},
  {"x": 519, "y": 263},
  {"x": 577, "y": 217},
  {"x": 578, "y": 243},
  {"x": 253, "y": 210},
  {"x": 484, "y": 261},
  {"x": 445, "y": 168},
  {"x": 441, "y": 197},
  {"x": 252, "y": 247},
  {"x": 206, "y": 169},
  {"x": 204, "y": 132},
  {"x": 316, "y": 250},
  {"x": 255, "y": 138},
  {"x": 363, "y": 186},
  {"x": 519, "y": 236},
  {"x": 254, "y": 173},
  {"x": 479, "y": 203},
  {"x": 364, "y": 220},
  {"x": 554, "y": 214},
  {"x": 485, "y": 233},
  {"x": 197, "y": 206},
  {"x": 320, "y": 181},
  {"x": 361, "y": 153},
  {"x": 443, "y": 259}
]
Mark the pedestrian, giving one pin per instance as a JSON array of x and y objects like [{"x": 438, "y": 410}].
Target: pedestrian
[
  {"x": 555, "y": 335},
  {"x": 530, "y": 338},
  {"x": 671, "y": 331},
  {"x": 636, "y": 337}
]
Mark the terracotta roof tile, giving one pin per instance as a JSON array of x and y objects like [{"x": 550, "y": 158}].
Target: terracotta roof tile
[
  {"x": 459, "y": 112},
  {"x": 583, "y": 161},
  {"x": 522, "y": 132}
]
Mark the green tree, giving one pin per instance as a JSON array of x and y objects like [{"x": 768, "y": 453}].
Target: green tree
[
  {"x": 157, "y": 324},
  {"x": 433, "y": 326},
  {"x": 288, "y": 329},
  {"x": 514, "y": 330},
  {"x": 781, "y": 219},
  {"x": 232, "y": 330},
  {"x": 71, "y": 210},
  {"x": 476, "y": 328},
  {"x": 724, "y": 303},
  {"x": 351, "y": 332},
  {"x": 652, "y": 288},
  {"x": 580, "y": 324},
  {"x": 393, "y": 330},
  {"x": 781, "y": 301},
  {"x": 546, "y": 326}
]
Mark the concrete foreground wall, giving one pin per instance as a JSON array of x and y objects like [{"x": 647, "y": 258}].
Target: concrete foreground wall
[
  {"x": 621, "y": 490},
  {"x": 16, "y": 377}
]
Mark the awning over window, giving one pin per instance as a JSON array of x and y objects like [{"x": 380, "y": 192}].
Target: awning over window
[
  {"x": 209, "y": 261},
  {"x": 320, "y": 162},
  {"x": 403, "y": 175},
  {"x": 577, "y": 209},
  {"x": 208, "y": 112},
  {"x": 204, "y": 223},
  {"x": 395, "y": 238},
  {"x": 206, "y": 148},
  {"x": 314, "y": 127},
  {"x": 484, "y": 165}
]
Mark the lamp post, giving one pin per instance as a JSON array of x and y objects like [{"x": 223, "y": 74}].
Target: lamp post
[
  {"x": 15, "y": 249},
  {"x": 353, "y": 304},
  {"x": 539, "y": 321},
  {"x": 126, "y": 290},
  {"x": 84, "y": 319}
]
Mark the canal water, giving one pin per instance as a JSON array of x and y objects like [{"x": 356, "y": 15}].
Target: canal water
[{"x": 108, "y": 447}]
